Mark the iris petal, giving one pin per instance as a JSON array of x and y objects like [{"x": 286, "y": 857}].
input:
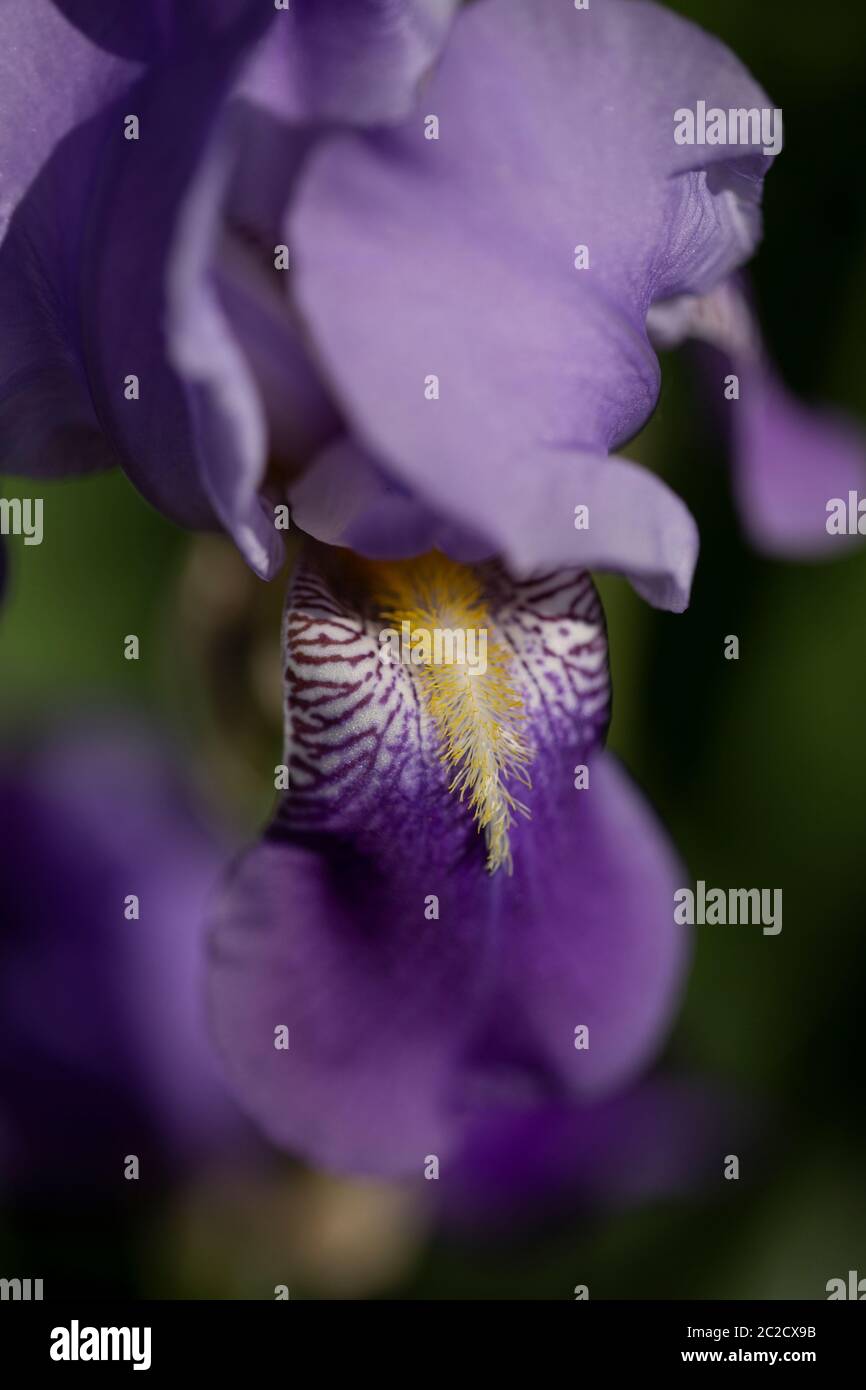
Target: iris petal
[
  {"x": 414, "y": 984},
  {"x": 455, "y": 256},
  {"x": 789, "y": 459},
  {"x": 112, "y": 264}
]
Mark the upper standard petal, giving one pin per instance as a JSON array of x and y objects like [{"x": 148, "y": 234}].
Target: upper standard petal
[{"x": 463, "y": 330}]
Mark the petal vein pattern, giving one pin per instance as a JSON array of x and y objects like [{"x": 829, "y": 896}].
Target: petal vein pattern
[{"x": 381, "y": 740}]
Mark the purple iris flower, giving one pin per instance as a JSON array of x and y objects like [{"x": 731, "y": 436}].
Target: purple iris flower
[
  {"x": 325, "y": 210},
  {"x": 398, "y": 270},
  {"x": 103, "y": 1049}
]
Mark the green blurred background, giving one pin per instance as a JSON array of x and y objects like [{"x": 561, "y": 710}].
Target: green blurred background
[{"x": 758, "y": 767}]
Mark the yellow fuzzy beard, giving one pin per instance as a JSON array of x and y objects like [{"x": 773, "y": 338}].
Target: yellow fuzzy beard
[{"x": 478, "y": 715}]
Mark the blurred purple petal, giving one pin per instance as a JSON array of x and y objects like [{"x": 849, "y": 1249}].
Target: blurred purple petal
[
  {"x": 82, "y": 272},
  {"x": 152, "y": 29},
  {"x": 103, "y": 1048},
  {"x": 789, "y": 459},
  {"x": 52, "y": 78},
  {"x": 663, "y": 1138}
]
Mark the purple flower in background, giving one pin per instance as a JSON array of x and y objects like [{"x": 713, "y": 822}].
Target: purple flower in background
[
  {"x": 519, "y": 1162},
  {"x": 460, "y": 903},
  {"x": 789, "y": 461},
  {"x": 421, "y": 341},
  {"x": 103, "y": 1051}
]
